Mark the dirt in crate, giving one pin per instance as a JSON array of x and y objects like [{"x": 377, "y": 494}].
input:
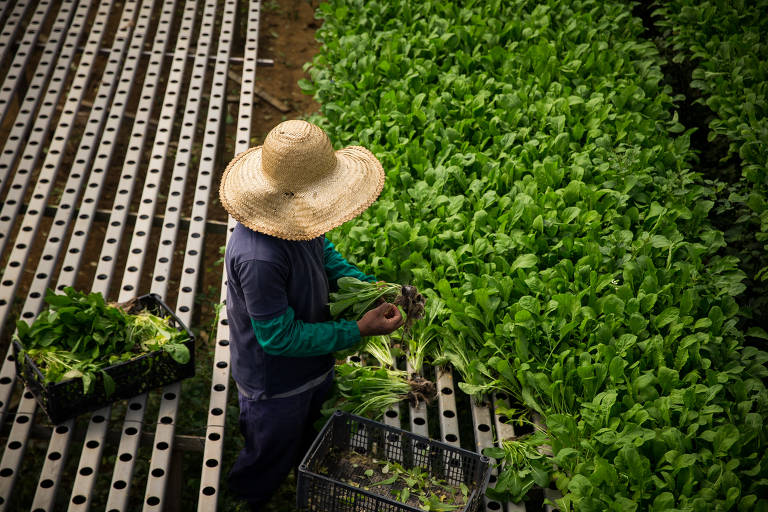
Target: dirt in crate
[{"x": 414, "y": 487}]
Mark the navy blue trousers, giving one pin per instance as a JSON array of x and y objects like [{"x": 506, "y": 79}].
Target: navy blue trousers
[{"x": 278, "y": 432}]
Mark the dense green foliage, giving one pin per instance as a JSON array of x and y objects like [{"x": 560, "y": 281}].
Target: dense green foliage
[
  {"x": 539, "y": 181},
  {"x": 726, "y": 42},
  {"x": 80, "y": 334}
]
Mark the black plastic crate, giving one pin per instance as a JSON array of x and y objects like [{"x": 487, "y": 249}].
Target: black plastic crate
[
  {"x": 64, "y": 400},
  {"x": 319, "y": 486}
]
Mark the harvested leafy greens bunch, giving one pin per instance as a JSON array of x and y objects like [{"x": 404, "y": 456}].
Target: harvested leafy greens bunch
[
  {"x": 80, "y": 334},
  {"x": 366, "y": 390},
  {"x": 354, "y": 298},
  {"x": 369, "y": 391}
]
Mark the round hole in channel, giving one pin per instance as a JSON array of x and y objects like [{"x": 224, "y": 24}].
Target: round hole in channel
[
  {"x": 214, "y": 436},
  {"x": 86, "y": 471},
  {"x": 449, "y": 414},
  {"x": 54, "y": 456},
  {"x": 125, "y": 457},
  {"x": 46, "y": 484},
  {"x": 98, "y": 418},
  {"x": 79, "y": 499},
  {"x": 169, "y": 396},
  {"x": 209, "y": 491},
  {"x": 221, "y": 364},
  {"x": 216, "y": 411},
  {"x": 62, "y": 429},
  {"x": 120, "y": 484},
  {"x": 14, "y": 445},
  {"x": 92, "y": 444},
  {"x": 483, "y": 427},
  {"x": 419, "y": 421},
  {"x": 131, "y": 431},
  {"x": 446, "y": 391},
  {"x": 153, "y": 501},
  {"x": 135, "y": 406},
  {"x": 212, "y": 463},
  {"x": 162, "y": 445},
  {"x": 158, "y": 472},
  {"x": 219, "y": 387},
  {"x": 166, "y": 420},
  {"x": 494, "y": 505},
  {"x": 223, "y": 343},
  {"x": 451, "y": 438},
  {"x": 22, "y": 419},
  {"x": 391, "y": 413}
]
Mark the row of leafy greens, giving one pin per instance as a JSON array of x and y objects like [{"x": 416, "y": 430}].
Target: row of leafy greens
[
  {"x": 539, "y": 181},
  {"x": 725, "y": 45},
  {"x": 80, "y": 335}
]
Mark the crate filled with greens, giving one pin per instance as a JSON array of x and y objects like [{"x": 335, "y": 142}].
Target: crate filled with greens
[
  {"x": 363, "y": 465},
  {"x": 82, "y": 353}
]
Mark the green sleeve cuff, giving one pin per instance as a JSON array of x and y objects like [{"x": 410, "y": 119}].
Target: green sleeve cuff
[
  {"x": 287, "y": 336},
  {"x": 336, "y": 266}
]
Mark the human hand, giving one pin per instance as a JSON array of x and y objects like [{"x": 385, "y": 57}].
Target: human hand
[{"x": 382, "y": 319}]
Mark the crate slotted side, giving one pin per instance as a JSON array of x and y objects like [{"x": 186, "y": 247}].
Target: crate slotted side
[
  {"x": 347, "y": 432},
  {"x": 65, "y": 399}
]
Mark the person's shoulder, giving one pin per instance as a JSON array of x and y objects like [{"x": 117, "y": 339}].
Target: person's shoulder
[{"x": 246, "y": 244}]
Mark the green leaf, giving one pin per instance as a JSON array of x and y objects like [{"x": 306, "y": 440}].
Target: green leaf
[
  {"x": 494, "y": 452},
  {"x": 524, "y": 261},
  {"x": 109, "y": 383},
  {"x": 666, "y": 317},
  {"x": 178, "y": 351},
  {"x": 757, "y": 332},
  {"x": 664, "y": 501},
  {"x": 580, "y": 486},
  {"x": 388, "y": 481}
]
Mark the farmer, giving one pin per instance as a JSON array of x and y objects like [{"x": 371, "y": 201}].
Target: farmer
[{"x": 285, "y": 196}]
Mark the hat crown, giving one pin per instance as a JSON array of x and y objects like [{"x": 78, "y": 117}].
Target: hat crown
[{"x": 296, "y": 154}]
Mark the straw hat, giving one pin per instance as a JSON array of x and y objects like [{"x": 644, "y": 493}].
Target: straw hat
[{"x": 296, "y": 187}]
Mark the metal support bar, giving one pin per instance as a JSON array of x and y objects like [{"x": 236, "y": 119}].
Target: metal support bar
[
  {"x": 129, "y": 442},
  {"x": 11, "y": 28},
  {"x": 482, "y": 423},
  {"x": 28, "y": 403},
  {"x": 105, "y": 270},
  {"x": 446, "y": 404},
  {"x": 41, "y": 431},
  {"x": 209, "y": 479},
  {"x": 418, "y": 414},
  {"x": 193, "y": 54},
  {"x": 20, "y": 253},
  {"x": 211, "y": 226},
  {"x": 505, "y": 431},
  {"x": 16, "y": 70},
  {"x": 22, "y": 126}
]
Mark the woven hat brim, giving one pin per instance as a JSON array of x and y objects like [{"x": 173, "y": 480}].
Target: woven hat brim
[{"x": 301, "y": 214}]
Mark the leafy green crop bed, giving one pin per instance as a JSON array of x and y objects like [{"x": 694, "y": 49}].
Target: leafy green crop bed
[
  {"x": 725, "y": 44},
  {"x": 539, "y": 181}
]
